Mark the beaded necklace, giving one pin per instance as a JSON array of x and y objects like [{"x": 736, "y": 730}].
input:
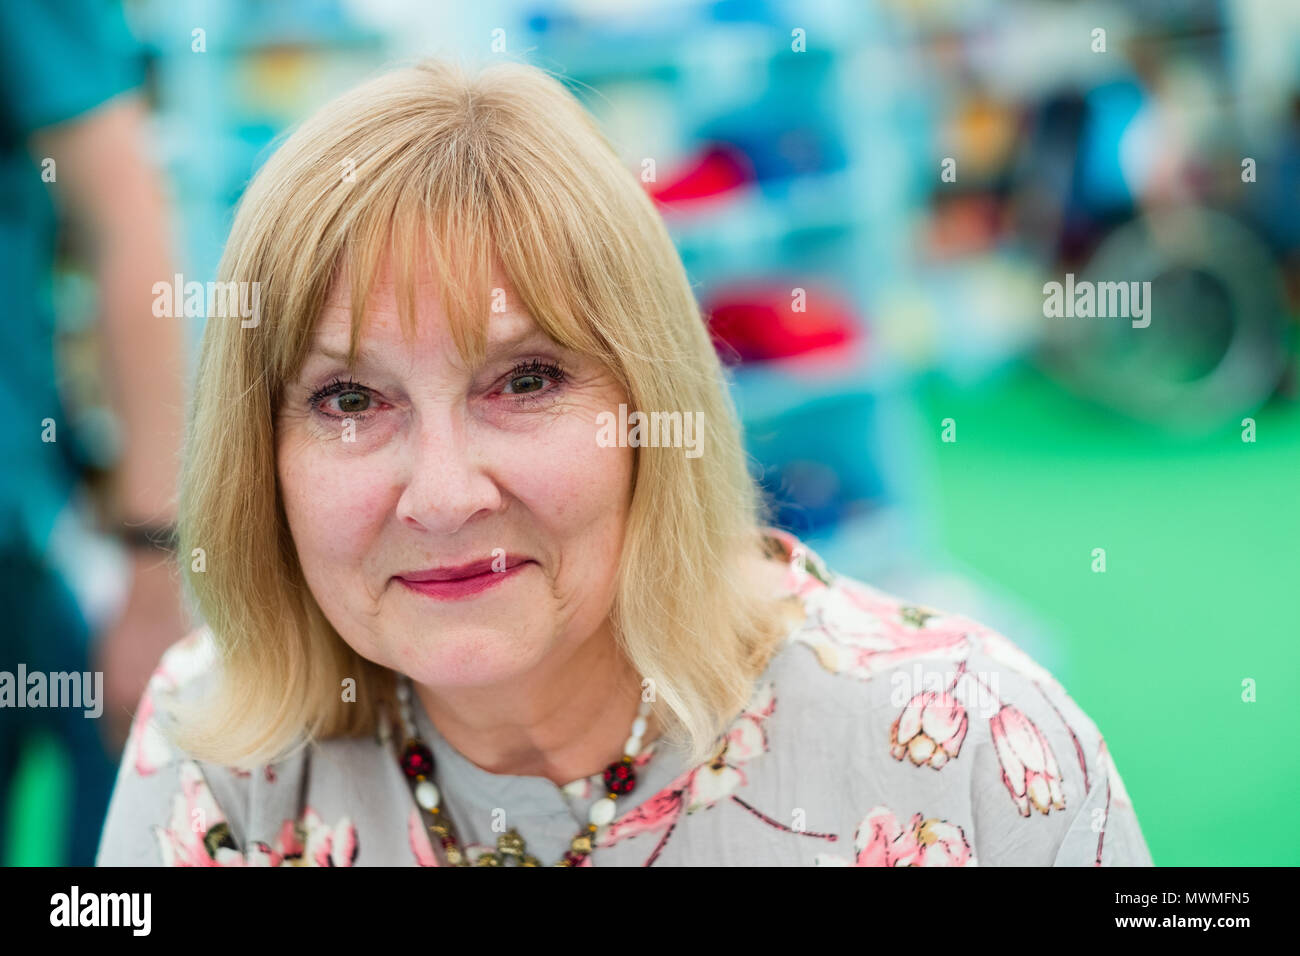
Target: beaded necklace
[{"x": 416, "y": 761}]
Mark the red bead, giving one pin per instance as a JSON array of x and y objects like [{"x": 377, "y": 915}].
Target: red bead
[
  {"x": 620, "y": 777},
  {"x": 573, "y": 859},
  {"x": 417, "y": 760}
]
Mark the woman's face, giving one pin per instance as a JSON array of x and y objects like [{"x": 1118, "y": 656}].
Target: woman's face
[{"x": 412, "y": 464}]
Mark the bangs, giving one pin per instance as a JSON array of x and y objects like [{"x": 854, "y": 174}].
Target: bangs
[{"x": 449, "y": 204}]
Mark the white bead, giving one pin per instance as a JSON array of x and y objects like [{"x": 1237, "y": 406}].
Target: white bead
[
  {"x": 632, "y": 747},
  {"x": 426, "y": 794},
  {"x": 638, "y": 727},
  {"x": 403, "y": 691},
  {"x": 602, "y": 812}
]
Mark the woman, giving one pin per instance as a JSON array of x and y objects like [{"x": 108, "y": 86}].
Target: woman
[{"x": 449, "y": 622}]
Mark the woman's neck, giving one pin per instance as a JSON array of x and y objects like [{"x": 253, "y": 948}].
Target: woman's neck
[{"x": 567, "y": 719}]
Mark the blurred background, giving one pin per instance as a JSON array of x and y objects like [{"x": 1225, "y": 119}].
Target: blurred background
[{"x": 869, "y": 198}]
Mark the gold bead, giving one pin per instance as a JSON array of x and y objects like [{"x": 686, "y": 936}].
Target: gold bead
[
  {"x": 454, "y": 856},
  {"x": 581, "y": 844},
  {"x": 529, "y": 860},
  {"x": 510, "y": 843},
  {"x": 488, "y": 859}
]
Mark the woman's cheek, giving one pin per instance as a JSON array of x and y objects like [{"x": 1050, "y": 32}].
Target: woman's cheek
[
  {"x": 565, "y": 472},
  {"x": 335, "y": 505},
  {"x": 345, "y": 437}
]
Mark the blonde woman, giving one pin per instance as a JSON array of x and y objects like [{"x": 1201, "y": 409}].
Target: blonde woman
[{"x": 450, "y": 622}]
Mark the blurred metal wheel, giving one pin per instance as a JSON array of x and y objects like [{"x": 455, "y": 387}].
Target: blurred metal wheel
[{"x": 1216, "y": 345}]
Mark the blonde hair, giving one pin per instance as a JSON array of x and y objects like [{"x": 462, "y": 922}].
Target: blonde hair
[{"x": 504, "y": 162}]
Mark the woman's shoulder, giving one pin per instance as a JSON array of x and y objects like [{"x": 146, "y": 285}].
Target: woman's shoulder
[
  {"x": 935, "y": 700},
  {"x": 903, "y": 648},
  {"x": 169, "y": 807},
  {"x": 186, "y": 672}
]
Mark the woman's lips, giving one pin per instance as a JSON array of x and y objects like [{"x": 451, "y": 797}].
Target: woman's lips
[{"x": 455, "y": 589}]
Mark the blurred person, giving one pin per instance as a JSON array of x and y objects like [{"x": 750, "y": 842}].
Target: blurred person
[
  {"x": 72, "y": 135},
  {"x": 440, "y": 585}
]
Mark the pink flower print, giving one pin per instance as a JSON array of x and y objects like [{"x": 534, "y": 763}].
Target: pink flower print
[
  {"x": 806, "y": 572},
  {"x": 268, "y": 771},
  {"x": 309, "y": 841},
  {"x": 187, "y": 658},
  {"x": 702, "y": 786},
  {"x": 854, "y": 632},
  {"x": 289, "y": 840},
  {"x": 421, "y": 845},
  {"x": 148, "y": 747},
  {"x": 930, "y": 730},
  {"x": 900, "y": 620},
  {"x": 1029, "y": 767},
  {"x": 263, "y": 855},
  {"x": 197, "y": 834},
  {"x": 658, "y": 812},
  {"x": 325, "y": 845},
  {"x": 743, "y": 741},
  {"x": 880, "y": 841}
]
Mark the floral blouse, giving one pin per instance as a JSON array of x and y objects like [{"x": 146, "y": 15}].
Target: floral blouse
[{"x": 880, "y": 734}]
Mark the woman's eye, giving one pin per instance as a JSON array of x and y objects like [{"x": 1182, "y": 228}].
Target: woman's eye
[
  {"x": 532, "y": 378},
  {"x": 532, "y": 383},
  {"x": 353, "y": 402},
  {"x": 351, "y": 398}
]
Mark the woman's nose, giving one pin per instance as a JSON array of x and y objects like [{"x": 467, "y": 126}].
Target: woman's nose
[{"x": 446, "y": 484}]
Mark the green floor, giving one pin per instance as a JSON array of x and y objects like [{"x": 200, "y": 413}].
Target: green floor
[{"x": 1203, "y": 560}]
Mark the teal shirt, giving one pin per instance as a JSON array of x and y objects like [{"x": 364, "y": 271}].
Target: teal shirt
[{"x": 58, "y": 60}]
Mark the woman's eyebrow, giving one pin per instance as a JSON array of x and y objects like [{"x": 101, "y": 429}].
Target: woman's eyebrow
[
  {"x": 363, "y": 354},
  {"x": 493, "y": 347},
  {"x": 523, "y": 337}
]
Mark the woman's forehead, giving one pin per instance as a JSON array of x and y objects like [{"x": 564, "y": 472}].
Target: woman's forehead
[
  {"x": 382, "y": 322},
  {"x": 388, "y": 279},
  {"x": 405, "y": 299}
]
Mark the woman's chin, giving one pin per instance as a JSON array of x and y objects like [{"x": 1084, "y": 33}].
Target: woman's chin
[{"x": 470, "y": 657}]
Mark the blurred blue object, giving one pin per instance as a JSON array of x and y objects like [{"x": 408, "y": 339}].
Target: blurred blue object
[
  {"x": 813, "y": 428},
  {"x": 1100, "y": 185}
]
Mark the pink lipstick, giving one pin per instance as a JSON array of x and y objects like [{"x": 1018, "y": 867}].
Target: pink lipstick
[{"x": 453, "y": 583}]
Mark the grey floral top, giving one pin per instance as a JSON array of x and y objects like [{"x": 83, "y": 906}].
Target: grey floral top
[{"x": 880, "y": 734}]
